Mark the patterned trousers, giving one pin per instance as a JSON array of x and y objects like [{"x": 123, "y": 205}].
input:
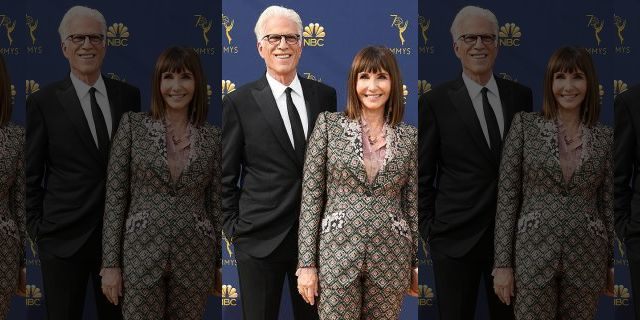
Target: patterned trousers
[
  {"x": 167, "y": 300},
  {"x": 362, "y": 299},
  {"x": 556, "y": 301}
]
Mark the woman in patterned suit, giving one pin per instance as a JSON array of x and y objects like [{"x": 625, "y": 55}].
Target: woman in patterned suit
[
  {"x": 12, "y": 188},
  {"x": 358, "y": 227},
  {"x": 554, "y": 224},
  {"x": 162, "y": 215}
]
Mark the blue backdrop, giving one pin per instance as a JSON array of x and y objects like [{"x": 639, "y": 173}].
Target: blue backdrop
[
  {"x": 348, "y": 27},
  {"x": 137, "y": 35},
  {"x": 529, "y": 33}
]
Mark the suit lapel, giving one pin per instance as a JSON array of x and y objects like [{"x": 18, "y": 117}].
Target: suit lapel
[
  {"x": 69, "y": 101},
  {"x": 354, "y": 150},
  {"x": 157, "y": 135},
  {"x": 267, "y": 104},
  {"x": 462, "y": 103}
]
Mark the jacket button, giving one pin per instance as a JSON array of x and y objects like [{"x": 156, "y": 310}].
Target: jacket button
[{"x": 368, "y": 193}]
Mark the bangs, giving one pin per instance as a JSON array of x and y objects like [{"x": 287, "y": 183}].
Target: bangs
[
  {"x": 568, "y": 61},
  {"x": 371, "y": 61},
  {"x": 175, "y": 61}
]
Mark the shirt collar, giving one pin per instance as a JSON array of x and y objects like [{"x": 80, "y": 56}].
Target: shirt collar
[
  {"x": 82, "y": 88},
  {"x": 278, "y": 88},
  {"x": 474, "y": 88}
]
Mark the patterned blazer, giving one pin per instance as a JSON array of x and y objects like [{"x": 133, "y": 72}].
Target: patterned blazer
[
  {"x": 542, "y": 222},
  {"x": 149, "y": 220},
  {"x": 347, "y": 222},
  {"x": 12, "y": 209}
]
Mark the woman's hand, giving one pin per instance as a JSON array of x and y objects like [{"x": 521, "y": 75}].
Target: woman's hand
[
  {"x": 608, "y": 289},
  {"x": 503, "y": 284},
  {"x": 413, "y": 289},
  {"x": 112, "y": 284},
  {"x": 22, "y": 282},
  {"x": 308, "y": 284}
]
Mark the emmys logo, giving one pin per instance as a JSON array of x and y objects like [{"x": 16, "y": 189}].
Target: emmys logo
[
  {"x": 13, "y": 94},
  {"x": 33, "y": 295},
  {"x": 621, "y": 24},
  {"x": 229, "y": 295},
  {"x": 205, "y": 25},
  {"x": 115, "y": 76},
  {"x": 227, "y": 23},
  {"x": 621, "y": 295},
  {"x": 425, "y": 295},
  {"x": 619, "y": 87},
  {"x": 424, "y": 27},
  {"x": 423, "y": 87},
  {"x": 9, "y": 26},
  {"x": 313, "y": 35},
  {"x": 228, "y": 87},
  {"x": 510, "y": 35},
  {"x": 405, "y": 93},
  {"x": 401, "y": 24},
  {"x": 597, "y": 25},
  {"x": 33, "y": 25},
  {"x": 311, "y": 76},
  {"x": 31, "y": 87},
  {"x": 228, "y": 241},
  {"x": 118, "y": 35}
]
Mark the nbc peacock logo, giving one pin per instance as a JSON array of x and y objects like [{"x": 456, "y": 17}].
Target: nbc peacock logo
[
  {"x": 229, "y": 295},
  {"x": 510, "y": 35},
  {"x": 423, "y": 87},
  {"x": 118, "y": 35},
  {"x": 425, "y": 295},
  {"x": 621, "y": 295},
  {"x": 34, "y": 295},
  {"x": 405, "y": 93},
  {"x": 31, "y": 87},
  {"x": 619, "y": 87},
  {"x": 227, "y": 87},
  {"x": 115, "y": 76},
  {"x": 314, "y": 35}
]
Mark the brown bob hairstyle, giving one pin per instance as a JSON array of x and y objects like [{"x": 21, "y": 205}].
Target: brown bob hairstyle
[
  {"x": 5, "y": 94},
  {"x": 376, "y": 59},
  {"x": 572, "y": 59},
  {"x": 179, "y": 59}
]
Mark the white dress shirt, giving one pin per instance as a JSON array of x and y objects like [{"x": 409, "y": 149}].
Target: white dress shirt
[
  {"x": 82, "y": 90},
  {"x": 493, "y": 95},
  {"x": 297, "y": 96}
]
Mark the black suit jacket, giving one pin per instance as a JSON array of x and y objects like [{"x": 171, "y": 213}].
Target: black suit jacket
[
  {"x": 627, "y": 162},
  {"x": 261, "y": 176},
  {"x": 65, "y": 171},
  {"x": 458, "y": 176}
]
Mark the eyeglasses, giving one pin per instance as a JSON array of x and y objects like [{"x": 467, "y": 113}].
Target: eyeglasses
[
  {"x": 80, "y": 38},
  {"x": 472, "y": 38},
  {"x": 276, "y": 38}
]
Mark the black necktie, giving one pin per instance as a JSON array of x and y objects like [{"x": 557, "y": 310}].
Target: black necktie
[
  {"x": 299, "y": 141},
  {"x": 101, "y": 126},
  {"x": 492, "y": 125}
]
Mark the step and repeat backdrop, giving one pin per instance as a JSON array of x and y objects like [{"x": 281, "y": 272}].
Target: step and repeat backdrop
[
  {"x": 529, "y": 32},
  {"x": 334, "y": 31},
  {"x": 136, "y": 36}
]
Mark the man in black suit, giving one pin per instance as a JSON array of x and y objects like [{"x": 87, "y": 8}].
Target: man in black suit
[
  {"x": 69, "y": 127},
  {"x": 627, "y": 181},
  {"x": 462, "y": 124},
  {"x": 265, "y": 125}
]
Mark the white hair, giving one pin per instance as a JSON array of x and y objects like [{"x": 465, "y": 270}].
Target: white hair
[
  {"x": 272, "y": 12},
  {"x": 472, "y": 11},
  {"x": 77, "y": 12}
]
